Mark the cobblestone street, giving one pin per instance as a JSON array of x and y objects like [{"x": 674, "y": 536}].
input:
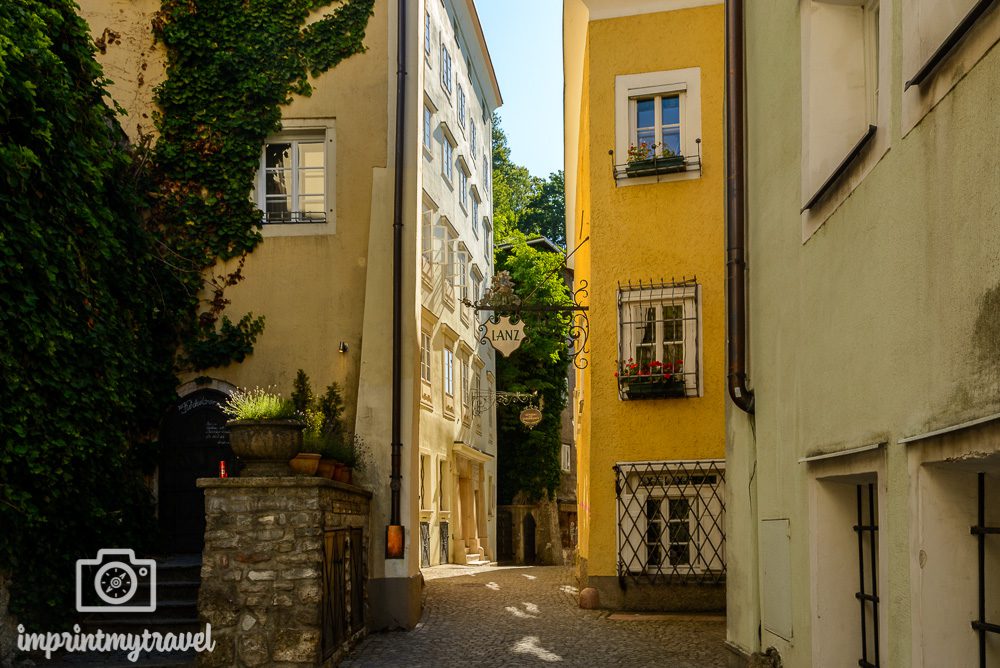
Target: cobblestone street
[{"x": 528, "y": 616}]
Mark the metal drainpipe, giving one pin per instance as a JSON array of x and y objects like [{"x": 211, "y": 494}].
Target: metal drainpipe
[
  {"x": 736, "y": 285},
  {"x": 394, "y": 534}
]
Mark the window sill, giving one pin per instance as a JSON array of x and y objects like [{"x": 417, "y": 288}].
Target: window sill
[
  {"x": 841, "y": 169},
  {"x": 428, "y": 155},
  {"x": 296, "y": 229}
]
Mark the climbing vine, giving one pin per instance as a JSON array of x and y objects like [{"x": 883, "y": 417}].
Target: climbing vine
[
  {"x": 108, "y": 256},
  {"x": 231, "y": 64}
]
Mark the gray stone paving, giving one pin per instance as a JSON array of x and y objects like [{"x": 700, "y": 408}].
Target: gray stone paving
[{"x": 528, "y": 616}]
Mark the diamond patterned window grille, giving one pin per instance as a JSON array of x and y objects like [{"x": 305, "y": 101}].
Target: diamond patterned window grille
[{"x": 670, "y": 521}]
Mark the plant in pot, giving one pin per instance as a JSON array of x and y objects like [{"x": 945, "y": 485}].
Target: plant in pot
[
  {"x": 307, "y": 461},
  {"x": 324, "y": 435},
  {"x": 265, "y": 431},
  {"x": 643, "y": 160}
]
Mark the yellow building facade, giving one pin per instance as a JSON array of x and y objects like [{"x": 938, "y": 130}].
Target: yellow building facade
[{"x": 645, "y": 196}]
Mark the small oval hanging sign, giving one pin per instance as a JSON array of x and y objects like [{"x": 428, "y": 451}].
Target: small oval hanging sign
[
  {"x": 504, "y": 336},
  {"x": 530, "y": 417}
]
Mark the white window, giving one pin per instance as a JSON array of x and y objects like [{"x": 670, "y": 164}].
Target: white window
[
  {"x": 567, "y": 454},
  {"x": 475, "y": 213},
  {"x": 446, "y": 81},
  {"x": 425, "y": 357},
  {"x": 463, "y": 189},
  {"x": 670, "y": 518},
  {"x": 462, "y": 255},
  {"x": 658, "y": 115},
  {"x": 477, "y": 284},
  {"x": 466, "y": 385},
  {"x": 427, "y": 35},
  {"x": 487, "y": 181},
  {"x": 927, "y": 24},
  {"x": 473, "y": 141},
  {"x": 291, "y": 181},
  {"x": 658, "y": 339},
  {"x": 449, "y": 372},
  {"x": 487, "y": 241},
  {"x": 428, "y": 129},
  {"x": 841, "y": 70},
  {"x": 447, "y": 159},
  {"x": 461, "y": 106}
]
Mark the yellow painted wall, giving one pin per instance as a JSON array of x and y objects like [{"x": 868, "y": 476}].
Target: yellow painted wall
[{"x": 654, "y": 231}]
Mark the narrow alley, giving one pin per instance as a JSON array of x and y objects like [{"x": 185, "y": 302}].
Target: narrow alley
[{"x": 528, "y": 616}]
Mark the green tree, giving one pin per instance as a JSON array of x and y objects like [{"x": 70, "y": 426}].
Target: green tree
[
  {"x": 522, "y": 202},
  {"x": 545, "y": 214},
  {"x": 529, "y": 459}
]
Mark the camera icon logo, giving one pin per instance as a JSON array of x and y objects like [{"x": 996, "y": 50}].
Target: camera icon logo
[{"x": 115, "y": 581}]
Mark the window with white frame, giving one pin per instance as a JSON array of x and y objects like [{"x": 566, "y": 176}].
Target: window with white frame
[
  {"x": 447, "y": 158},
  {"x": 449, "y": 372},
  {"x": 461, "y": 106},
  {"x": 659, "y": 328},
  {"x": 477, "y": 284},
  {"x": 931, "y": 30},
  {"x": 425, "y": 357},
  {"x": 427, "y": 35},
  {"x": 446, "y": 78},
  {"x": 671, "y": 517},
  {"x": 428, "y": 127},
  {"x": 466, "y": 385},
  {"x": 475, "y": 213},
  {"x": 487, "y": 181},
  {"x": 658, "y": 116},
  {"x": 473, "y": 141},
  {"x": 567, "y": 456},
  {"x": 487, "y": 241},
  {"x": 462, "y": 271},
  {"x": 463, "y": 188},
  {"x": 842, "y": 66},
  {"x": 292, "y": 179}
]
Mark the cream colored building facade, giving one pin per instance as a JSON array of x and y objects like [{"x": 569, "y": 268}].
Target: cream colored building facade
[
  {"x": 862, "y": 483},
  {"x": 323, "y": 275}
]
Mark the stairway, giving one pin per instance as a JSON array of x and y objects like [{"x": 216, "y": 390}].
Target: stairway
[
  {"x": 177, "y": 580},
  {"x": 474, "y": 553}
]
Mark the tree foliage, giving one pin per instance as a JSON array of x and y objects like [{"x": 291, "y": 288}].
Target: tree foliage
[
  {"x": 522, "y": 202},
  {"x": 104, "y": 255},
  {"x": 529, "y": 459}
]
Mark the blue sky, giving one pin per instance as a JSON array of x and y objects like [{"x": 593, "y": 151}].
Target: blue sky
[{"x": 525, "y": 42}]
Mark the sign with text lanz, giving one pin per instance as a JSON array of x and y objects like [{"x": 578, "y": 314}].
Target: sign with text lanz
[{"x": 505, "y": 336}]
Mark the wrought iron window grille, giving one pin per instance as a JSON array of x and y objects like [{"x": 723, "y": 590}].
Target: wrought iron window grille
[
  {"x": 867, "y": 532},
  {"x": 670, "y": 522},
  {"x": 658, "y": 339},
  {"x": 292, "y": 218},
  {"x": 981, "y": 531},
  {"x": 657, "y": 165}
]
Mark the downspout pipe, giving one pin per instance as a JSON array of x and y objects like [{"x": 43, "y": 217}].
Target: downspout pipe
[
  {"x": 736, "y": 283},
  {"x": 394, "y": 543}
]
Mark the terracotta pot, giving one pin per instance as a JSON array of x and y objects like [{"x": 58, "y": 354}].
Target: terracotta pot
[
  {"x": 265, "y": 446},
  {"x": 305, "y": 463},
  {"x": 343, "y": 473},
  {"x": 326, "y": 468}
]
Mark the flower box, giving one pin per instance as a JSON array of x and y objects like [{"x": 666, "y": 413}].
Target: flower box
[
  {"x": 654, "y": 166},
  {"x": 650, "y": 390}
]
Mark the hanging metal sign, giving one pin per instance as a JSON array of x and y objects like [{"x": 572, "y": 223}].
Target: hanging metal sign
[
  {"x": 503, "y": 335},
  {"x": 530, "y": 417}
]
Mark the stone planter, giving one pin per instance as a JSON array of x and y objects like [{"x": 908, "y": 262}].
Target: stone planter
[
  {"x": 265, "y": 446},
  {"x": 305, "y": 463}
]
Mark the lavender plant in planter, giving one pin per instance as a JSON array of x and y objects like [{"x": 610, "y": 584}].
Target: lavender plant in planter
[{"x": 265, "y": 432}]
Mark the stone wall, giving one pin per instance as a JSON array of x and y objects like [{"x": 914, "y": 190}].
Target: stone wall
[{"x": 262, "y": 581}]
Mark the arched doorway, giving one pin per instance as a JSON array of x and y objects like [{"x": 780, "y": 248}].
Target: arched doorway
[{"x": 193, "y": 440}]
